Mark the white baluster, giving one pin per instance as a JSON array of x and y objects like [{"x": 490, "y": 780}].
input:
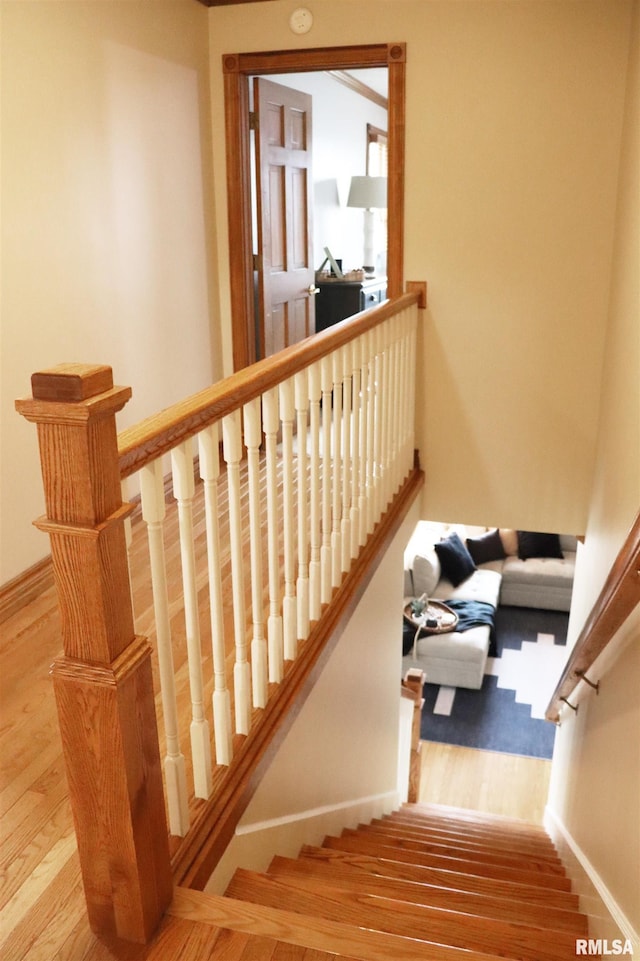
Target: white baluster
[
  {"x": 184, "y": 490},
  {"x": 363, "y": 350},
  {"x": 354, "y": 354},
  {"x": 232, "y": 448},
  {"x": 385, "y": 413},
  {"x": 302, "y": 584},
  {"x": 315, "y": 604},
  {"x": 325, "y": 550},
  {"x": 208, "y": 444},
  {"x": 347, "y": 438},
  {"x": 371, "y": 419},
  {"x": 411, "y": 386},
  {"x": 253, "y": 439},
  {"x": 377, "y": 427},
  {"x": 404, "y": 385},
  {"x": 289, "y": 603},
  {"x": 153, "y": 513},
  {"x": 271, "y": 421},
  {"x": 396, "y": 428},
  {"x": 336, "y": 540}
]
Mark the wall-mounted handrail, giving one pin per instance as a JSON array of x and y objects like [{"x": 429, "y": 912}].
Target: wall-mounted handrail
[{"x": 619, "y": 596}]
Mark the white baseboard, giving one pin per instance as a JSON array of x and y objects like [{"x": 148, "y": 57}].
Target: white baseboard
[
  {"x": 255, "y": 844},
  {"x": 607, "y": 920},
  {"x": 386, "y": 801}
]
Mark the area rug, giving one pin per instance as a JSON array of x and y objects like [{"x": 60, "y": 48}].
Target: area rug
[{"x": 507, "y": 713}]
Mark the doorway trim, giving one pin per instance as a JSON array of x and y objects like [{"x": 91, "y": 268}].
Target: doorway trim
[{"x": 237, "y": 68}]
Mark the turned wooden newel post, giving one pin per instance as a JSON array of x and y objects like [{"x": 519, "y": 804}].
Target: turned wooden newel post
[{"x": 103, "y": 683}]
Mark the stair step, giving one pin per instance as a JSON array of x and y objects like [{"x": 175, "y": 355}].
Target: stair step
[
  {"x": 370, "y": 845},
  {"x": 492, "y": 887},
  {"x": 484, "y": 819},
  {"x": 345, "y": 941},
  {"x": 434, "y": 827},
  {"x": 459, "y": 849},
  {"x": 437, "y": 836},
  {"x": 481, "y": 905},
  {"x": 465, "y": 931}
]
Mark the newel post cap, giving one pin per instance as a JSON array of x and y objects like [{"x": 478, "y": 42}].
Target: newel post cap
[{"x": 72, "y": 392}]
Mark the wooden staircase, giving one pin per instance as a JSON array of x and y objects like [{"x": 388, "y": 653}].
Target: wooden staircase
[{"x": 426, "y": 882}]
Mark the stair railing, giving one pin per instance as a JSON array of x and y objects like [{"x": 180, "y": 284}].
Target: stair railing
[
  {"x": 318, "y": 456},
  {"x": 619, "y": 596}
]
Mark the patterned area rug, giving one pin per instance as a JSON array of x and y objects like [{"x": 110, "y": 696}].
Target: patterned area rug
[{"x": 507, "y": 713}]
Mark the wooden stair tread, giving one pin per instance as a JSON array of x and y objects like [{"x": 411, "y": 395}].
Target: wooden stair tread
[
  {"x": 543, "y": 848},
  {"x": 469, "y": 902},
  {"x": 367, "y": 845},
  {"x": 473, "y": 829},
  {"x": 460, "y": 849},
  {"x": 346, "y": 941},
  {"x": 486, "y": 819},
  {"x": 464, "y": 931},
  {"x": 492, "y": 887},
  {"x": 491, "y": 835}
]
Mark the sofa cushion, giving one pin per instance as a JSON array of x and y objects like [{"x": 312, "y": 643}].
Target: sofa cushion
[
  {"x": 534, "y": 544},
  {"x": 542, "y": 572},
  {"x": 483, "y": 585},
  {"x": 488, "y": 547},
  {"x": 426, "y": 573},
  {"x": 456, "y": 561}
]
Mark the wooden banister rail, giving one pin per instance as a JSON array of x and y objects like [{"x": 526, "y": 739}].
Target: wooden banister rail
[
  {"x": 618, "y": 597},
  {"x": 143, "y": 443},
  {"x": 103, "y": 682}
]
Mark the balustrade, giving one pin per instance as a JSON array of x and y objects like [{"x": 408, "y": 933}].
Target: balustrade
[{"x": 315, "y": 444}]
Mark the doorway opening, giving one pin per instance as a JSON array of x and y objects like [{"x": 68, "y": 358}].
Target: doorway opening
[{"x": 239, "y": 72}]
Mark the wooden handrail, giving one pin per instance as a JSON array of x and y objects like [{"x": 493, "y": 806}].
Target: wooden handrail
[
  {"x": 144, "y": 442},
  {"x": 618, "y": 597}
]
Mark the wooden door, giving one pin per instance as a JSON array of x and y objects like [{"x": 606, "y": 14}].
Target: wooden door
[{"x": 284, "y": 214}]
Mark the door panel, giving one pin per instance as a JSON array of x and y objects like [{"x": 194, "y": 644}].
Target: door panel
[{"x": 284, "y": 211}]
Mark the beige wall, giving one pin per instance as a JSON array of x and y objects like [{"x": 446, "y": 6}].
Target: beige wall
[
  {"x": 513, "y": 124},
  {"x": 596, "y": 771},
  {"x": 106, "y": 216},
  {"x": 513, "y": 130}
]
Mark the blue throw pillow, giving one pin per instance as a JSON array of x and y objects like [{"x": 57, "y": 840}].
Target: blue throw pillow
[
  {"x": 487, "y": 547},
  {"x": 456, "y": 561}
]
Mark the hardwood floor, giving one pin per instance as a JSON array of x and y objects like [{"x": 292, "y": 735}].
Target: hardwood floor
[
  {"x": 485, "y": 781},
  {"x": 41, "y": 900}
]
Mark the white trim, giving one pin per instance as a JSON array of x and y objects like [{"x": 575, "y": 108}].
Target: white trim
[
  {"x": 563, "y": 839},
  {"x": 389, "y": 801}
]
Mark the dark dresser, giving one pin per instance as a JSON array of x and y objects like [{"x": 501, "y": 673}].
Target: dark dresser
[{"x": 338, "y": 299}]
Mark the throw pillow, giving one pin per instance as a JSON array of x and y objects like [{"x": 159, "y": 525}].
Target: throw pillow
[
  {"x": 534, "y": 544},
  {"x": 426, "y": 574},
  {"x": 456, "y": 561},
  {"x": 487, "y": 547}
]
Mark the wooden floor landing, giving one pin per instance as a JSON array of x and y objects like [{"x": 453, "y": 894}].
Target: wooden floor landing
[{"x": 41, "y": 903}]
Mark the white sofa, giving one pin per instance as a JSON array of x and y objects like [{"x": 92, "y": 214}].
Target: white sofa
[{"x": 458, "y": 658}]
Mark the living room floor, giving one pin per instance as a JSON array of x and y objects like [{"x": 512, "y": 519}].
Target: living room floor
[{"x": 484, "y": 780}]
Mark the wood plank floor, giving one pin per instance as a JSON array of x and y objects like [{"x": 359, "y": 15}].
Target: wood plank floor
[{"x": 41, "y": 901}]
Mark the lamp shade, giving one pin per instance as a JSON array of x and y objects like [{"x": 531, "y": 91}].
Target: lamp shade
[{"x": 368, "y": 192}]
